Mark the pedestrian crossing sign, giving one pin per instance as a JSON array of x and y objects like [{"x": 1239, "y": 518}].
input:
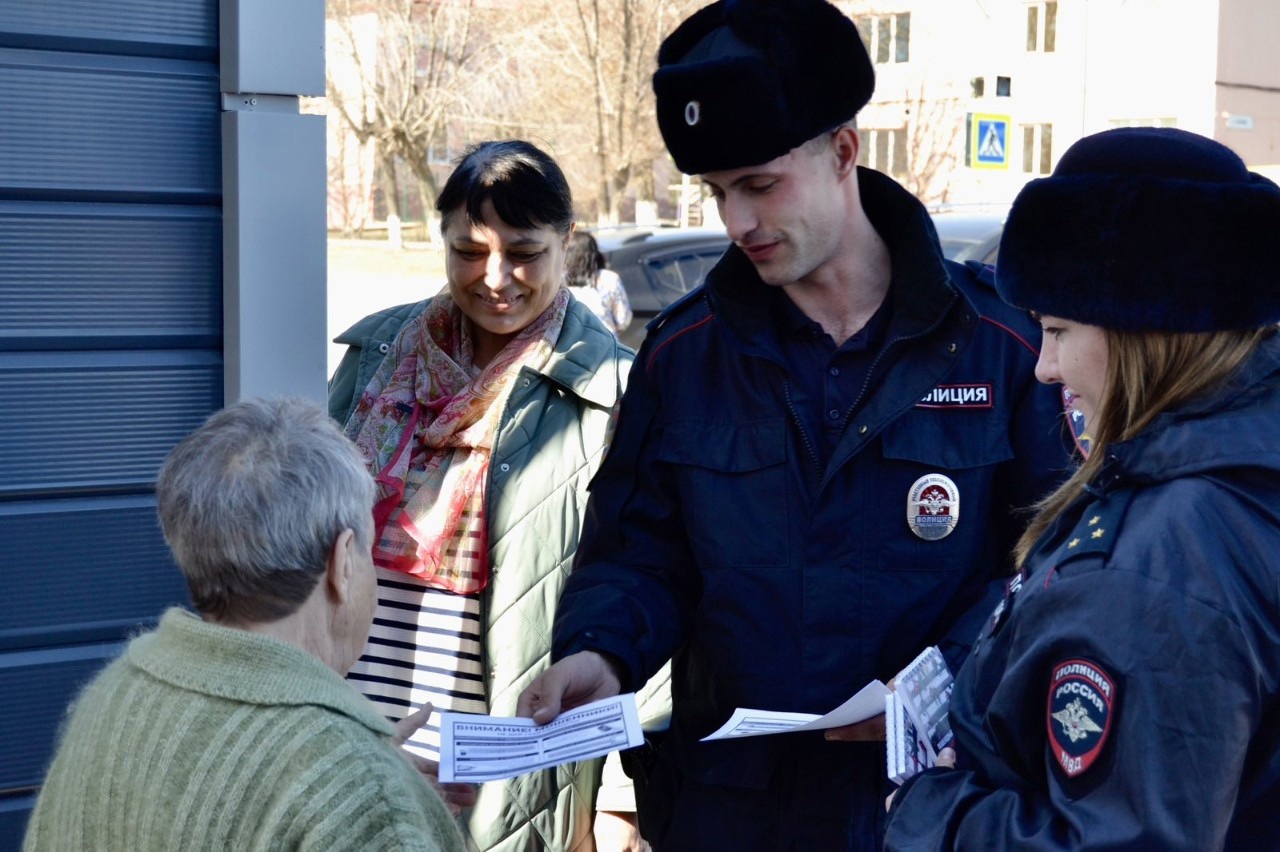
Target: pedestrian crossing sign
[{"x": 988, "y": 141}]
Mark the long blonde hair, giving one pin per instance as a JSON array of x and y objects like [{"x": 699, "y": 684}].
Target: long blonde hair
[{"x": 1147, "y": 373}]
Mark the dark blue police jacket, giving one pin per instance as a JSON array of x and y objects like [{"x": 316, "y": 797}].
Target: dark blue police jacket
[
  {"x": 715, "y": 533},
  {"x": 1127, "y": 693}
]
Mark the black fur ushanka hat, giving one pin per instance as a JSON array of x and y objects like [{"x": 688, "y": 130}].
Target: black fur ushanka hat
[
  {"x": 1146, "y": 229},
  {"x": 742, "y": 82}
]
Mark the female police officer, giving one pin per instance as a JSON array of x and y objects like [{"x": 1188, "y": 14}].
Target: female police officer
[{"x": 1125, "y": 694}]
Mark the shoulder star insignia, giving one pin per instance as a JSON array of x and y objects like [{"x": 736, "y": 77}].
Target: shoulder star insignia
[
  {"x": 1093, "y": 522},
  {"x": 1097, "y": 533},
  {"x": 1073, "y": 543}
]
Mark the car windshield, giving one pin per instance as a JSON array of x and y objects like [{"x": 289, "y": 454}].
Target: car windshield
[
  {"x": 969, "y": 235},
  {"x": 676, "y": 274},
  {"x": 952, "y": 249}
]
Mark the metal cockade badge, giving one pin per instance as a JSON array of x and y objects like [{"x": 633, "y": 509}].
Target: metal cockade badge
[{"x": 933, "y": 507}]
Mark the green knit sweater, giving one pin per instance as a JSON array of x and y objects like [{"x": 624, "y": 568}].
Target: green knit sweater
[{"x": 205, "y": 737}]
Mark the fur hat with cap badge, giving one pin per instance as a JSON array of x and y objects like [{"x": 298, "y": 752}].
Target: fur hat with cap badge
[
  {"x": 1146, "y": 229},
  {"x": 742, "y": 82}
]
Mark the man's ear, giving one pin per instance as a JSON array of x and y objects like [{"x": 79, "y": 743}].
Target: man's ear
[
  {"x": 340, "y": 570},
  {"x": 846, "y": 143}
]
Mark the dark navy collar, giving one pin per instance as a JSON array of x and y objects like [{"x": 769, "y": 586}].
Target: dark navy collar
[{"x": 920, "y": 289}]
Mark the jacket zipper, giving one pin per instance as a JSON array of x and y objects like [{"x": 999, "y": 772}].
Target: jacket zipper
[
  {"x": 884, "y": 350},
  {"x": 804, "y": 434}
]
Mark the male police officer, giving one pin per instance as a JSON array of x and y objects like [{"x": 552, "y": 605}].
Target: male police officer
[{"x": 800, "y": 495}]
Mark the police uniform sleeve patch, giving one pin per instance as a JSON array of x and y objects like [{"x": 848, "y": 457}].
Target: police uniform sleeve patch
[{"x": 1082, "y": 700}]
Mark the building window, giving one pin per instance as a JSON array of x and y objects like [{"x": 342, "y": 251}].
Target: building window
[
  {"x": 1037, "y": 148},
  {"x": 899, "y": 153},
  {"x": 1143, "y": 122},
  {"x": 441, "y": 153},
  {"x": 884, "y": 150},
  {"x": 1042, "y": 26},
  {"x": 978, "y": 85},
  {"x": 882, "y": 42},
  {"x": 1004, "y": 86},
  {"x": 902, "y": 37},
  {"x": 886, "y": 37}
]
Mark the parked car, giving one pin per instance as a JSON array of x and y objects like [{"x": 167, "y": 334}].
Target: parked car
[
  {"x": 659, "y": 265},
  {"x": 970, "y": 233}
]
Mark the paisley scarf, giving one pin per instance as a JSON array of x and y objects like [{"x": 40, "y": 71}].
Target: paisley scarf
[{"x": 426, "y": 426}]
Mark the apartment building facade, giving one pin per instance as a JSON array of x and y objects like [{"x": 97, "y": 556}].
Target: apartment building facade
[{"x": 975, "y": 97}]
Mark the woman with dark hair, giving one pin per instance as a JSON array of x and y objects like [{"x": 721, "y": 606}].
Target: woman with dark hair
[
  {"x": 596, "y": 286},
  {"x": 483, "y": 413},
  {"x": 1126, "y": 693}
]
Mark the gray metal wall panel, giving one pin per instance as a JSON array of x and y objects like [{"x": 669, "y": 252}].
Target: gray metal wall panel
[
  {"x": 84, "y": 570},
  {"x": 14, "y": 811},
  {"x": 108, "y": 127},
  {"x": 110, "y": 335},
  {"x": 108, "y": 275},
  {"x": 94, "y": 423},
  {"x": 34, "y": 691},
  {"x": 147, "y": 27}
]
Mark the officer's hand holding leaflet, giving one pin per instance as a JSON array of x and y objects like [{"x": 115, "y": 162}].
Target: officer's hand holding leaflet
[
  {"x": 868, "y": 731},
  {"x": 946, "y": 760},
  {"x": 576, "y": 680}
]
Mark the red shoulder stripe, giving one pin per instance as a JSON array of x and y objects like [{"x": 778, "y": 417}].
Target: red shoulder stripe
[
  {"x": 1013, "y": 334},
  {"x": 648, "y": 365}
]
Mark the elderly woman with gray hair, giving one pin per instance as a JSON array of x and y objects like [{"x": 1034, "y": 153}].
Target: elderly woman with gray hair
[{"x": 233, "y": 728}]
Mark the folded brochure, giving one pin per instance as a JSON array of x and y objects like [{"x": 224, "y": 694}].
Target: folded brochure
[
  {"x": 868, "y": 702},
  {"x": 477, "y": 748}
]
